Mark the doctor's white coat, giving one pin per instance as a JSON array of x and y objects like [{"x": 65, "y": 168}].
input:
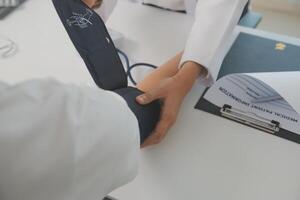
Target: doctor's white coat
[
  {"x": 65, "y": 142},
  {"x": 59, "y": 141},
  {"x": 214, "y": 23}
]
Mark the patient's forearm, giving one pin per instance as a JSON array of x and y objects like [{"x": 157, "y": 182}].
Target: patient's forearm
[{"x": 169, "y": 69}]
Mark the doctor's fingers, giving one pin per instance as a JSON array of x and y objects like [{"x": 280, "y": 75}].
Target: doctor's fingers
[
  {"x": 168, "y": 118},
  {"x": 153, "y": 94},
  {"x": 160, "y": 132},
  {"x": 168, "y": 115}
]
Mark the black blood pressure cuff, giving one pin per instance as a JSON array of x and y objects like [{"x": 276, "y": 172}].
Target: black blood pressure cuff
[
  {"x": 147, "y": 116},
  {"x": 90, "y": 37}
]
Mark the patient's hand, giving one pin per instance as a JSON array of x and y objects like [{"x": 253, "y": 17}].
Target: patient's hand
[{"x": 172, "y": 91}]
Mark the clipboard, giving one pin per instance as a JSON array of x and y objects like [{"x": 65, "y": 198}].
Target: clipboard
[
  {"x": 227, "y": 111},
  {"x": 253, "y": 54}
]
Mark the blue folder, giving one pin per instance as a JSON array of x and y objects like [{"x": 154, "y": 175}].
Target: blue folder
[{"x": 250, "y": 54}]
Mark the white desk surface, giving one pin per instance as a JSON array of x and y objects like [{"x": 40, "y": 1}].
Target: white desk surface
[
  {"x": 203, "y": 156},
  {"x": 43, "y": 47}
]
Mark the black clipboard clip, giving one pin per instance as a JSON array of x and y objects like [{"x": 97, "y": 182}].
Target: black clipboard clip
[{"x": 250, "y": 119}]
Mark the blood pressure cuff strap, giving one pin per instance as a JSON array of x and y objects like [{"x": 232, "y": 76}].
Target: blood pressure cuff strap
[
  {"x": 90, "y": 37},
  {"x": 92, "y": 41},
  {"x": 147, "y": 116}
]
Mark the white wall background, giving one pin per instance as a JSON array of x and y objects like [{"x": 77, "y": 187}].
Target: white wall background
[
  {"x": 279, "y": 16},
  {"x": 291, "y": 6}
]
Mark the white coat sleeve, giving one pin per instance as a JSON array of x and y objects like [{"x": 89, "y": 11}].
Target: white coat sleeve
[
  {"x": 64, "y": 142},
  {"x": 214, "y": 23}
]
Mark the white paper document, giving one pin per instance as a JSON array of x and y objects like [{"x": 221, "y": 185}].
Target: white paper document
[{"x": 242, "y": 91}]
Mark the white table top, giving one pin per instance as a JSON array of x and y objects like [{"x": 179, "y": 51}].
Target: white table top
[
  {"x": 43, "y": 46},
  {"x": 203, "y": 156}
]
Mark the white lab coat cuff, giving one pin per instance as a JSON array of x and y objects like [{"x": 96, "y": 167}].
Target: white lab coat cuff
[{"x": 205, "y": 78}]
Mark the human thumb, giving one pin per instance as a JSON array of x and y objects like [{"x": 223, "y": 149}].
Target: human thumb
[{"x": 147, "y": 97}]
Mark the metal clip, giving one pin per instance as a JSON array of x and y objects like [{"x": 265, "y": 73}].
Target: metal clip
[{"x": 250, "y": 119}]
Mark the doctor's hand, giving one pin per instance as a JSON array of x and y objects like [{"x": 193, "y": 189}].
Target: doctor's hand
[{"x": 172, "y": 91}]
